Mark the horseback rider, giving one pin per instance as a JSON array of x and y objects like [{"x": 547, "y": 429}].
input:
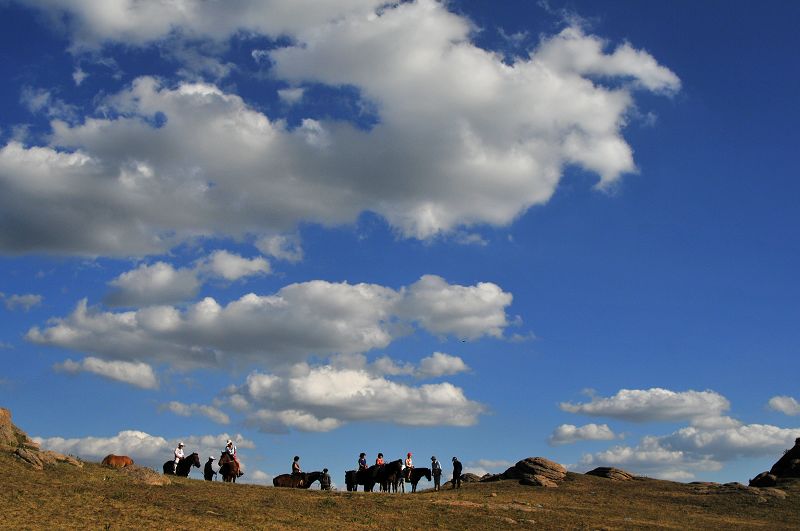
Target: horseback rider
[
  {"x": 208, "y": 471},
  {"x": 230, "y": 449},
  {"x": 409, "y": 467},
  {"x": 178, "y": 456},
  {"x": 296, "y": 465},
  {"x": 379, "y": 460},
  {"x": 436, "y": 470},
  {"x": 362, "y": 461}
]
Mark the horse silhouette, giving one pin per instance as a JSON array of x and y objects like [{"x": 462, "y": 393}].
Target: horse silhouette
[
  {"x": 117, "y": 461},
  {"x": 184, "y": 465},
  {"x": 303, "y": 480},
  {"x": 416, "y": 475},
  {"x": 391, "y": 475},
  {"x": 228, "y": 468}
]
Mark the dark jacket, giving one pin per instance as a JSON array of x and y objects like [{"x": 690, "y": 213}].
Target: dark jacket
[
  {"x": 208, "y": 471},
  {"x": 457, "y": 468}
]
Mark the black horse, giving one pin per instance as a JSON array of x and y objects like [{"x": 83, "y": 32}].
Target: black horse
[
  {"x": 391, "y": 474},
  {"x": 303, "y": 480},
  {"x": 184, "y": 465},
  {"x": 416, "y": 475}
]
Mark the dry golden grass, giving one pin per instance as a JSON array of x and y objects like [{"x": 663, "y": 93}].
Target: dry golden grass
[{"x": 94, "y": 497}]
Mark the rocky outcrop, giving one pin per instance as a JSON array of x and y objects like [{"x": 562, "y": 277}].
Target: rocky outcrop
[
  {"x": 786, "y": 468},
  {"x": 469, "y": 477},
  {"x": 616, "y": 474},
  {"x": 16, "y": 442},
  {"x": 533, "y": 471}
]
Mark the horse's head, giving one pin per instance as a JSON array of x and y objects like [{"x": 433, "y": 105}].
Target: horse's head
[
  {"x": 427, "y": 472},
  {"x": 195, "y": 460}
]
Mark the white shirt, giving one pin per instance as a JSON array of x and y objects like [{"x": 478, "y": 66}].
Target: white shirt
[{"x": 178, "y": 453}]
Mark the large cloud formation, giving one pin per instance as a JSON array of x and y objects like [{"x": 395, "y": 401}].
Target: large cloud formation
[
  {"x": 462, "y": 138},
  {"x": 311, "y": 318}
]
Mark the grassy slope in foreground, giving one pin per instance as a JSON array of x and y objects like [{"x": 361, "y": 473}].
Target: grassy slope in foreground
[{"x": 64, "y": 496}]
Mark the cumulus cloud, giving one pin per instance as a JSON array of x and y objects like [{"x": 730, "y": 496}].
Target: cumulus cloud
[
  {"x": 440, "y": 364},
  {"x": 282, "y": 247},
  {"x": 159, "y": 283},
  {"x": 503, "y": 132},
  {"x": 655, "y": 404},
  {"x": 785, "y": 404},
  {"x": 231, "y": 266},
  {"x": 142, "y": 447},
  {"x": 569, "y": 433},
  {"x": 134, "y": 373},
  {"x": 187, "y": 410},
  {"x": 325, "y": 398},
  {"x": 24, "y": 302},
  {"x": 310, "y": 318}
]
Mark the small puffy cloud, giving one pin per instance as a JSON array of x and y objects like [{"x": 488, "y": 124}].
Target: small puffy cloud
[
  {"x": 569, "y": 433},
  {"x": 78, "y": 76},
  {"x": 23, "y": 302},
  {"x": 325, "y": 398},
  {"x": 281, "y": 247},
  {"x": 159, "y": 283},
  {"x": 291, "y": 95},
  {"x": 312, "y": 318},
  {"x": 260, "y": 478},
  {"x": 231, "y": 266},
  {"x": 133, "y": 373},
  {"x": 656, "y": 404},
  {"x": 187, "y": 410},
  {"x": 785, "y": 404},
  {"x": 440, "y": 364}
]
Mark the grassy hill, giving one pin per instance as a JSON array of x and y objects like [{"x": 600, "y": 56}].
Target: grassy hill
[{"x": 63, "y": 496}]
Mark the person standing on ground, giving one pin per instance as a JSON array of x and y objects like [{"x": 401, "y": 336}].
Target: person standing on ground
[
  {"x": 456, "y": 473},
  {"x": 325, "y": 480},
  {"x": 208, "y": 471},
  {"x": 436, "y": 470}
]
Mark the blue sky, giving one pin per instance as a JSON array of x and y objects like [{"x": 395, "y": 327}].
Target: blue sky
[{"x": 491, "y": 231}]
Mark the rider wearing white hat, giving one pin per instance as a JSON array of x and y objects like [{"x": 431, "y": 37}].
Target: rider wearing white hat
[{"x": 178, "y": 456}]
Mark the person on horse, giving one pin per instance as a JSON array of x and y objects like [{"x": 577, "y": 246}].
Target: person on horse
[
  {"x": 208, "y": 471},
  {"x": 230, "y": 449},
  {"x": 436, "y": 470},
  {"x": 409, "y": 463},
  {"x": 362, "y": 461},
  {"x": 296, "y": 465},
  {"x": 178, "y": 456},
  {"x": 379, "y": 460}
]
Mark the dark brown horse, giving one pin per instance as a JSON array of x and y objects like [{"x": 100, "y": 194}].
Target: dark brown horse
[
  {"x": 117, "y": 461},
  {"x": 228, "y": 468},
  {"x": 391, "y": 475},
  {"x": 416, "y": 475},
  {"x": 303, "y": 480},
  {"x": 184, "y": 465}
]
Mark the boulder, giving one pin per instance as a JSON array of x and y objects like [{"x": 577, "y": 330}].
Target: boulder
[
  {"x": 469, "y": 477},
  {"x": 788, "y": 466},
  {"x": 616, "y": 474},
  {"x": 764, "y": 479},
  {"x": 533, "y": 471}
]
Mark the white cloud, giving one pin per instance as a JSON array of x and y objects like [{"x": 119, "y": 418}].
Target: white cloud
[
  {"x": 24, "y": 302},
  {"x": 440, "y": 364},
  {"x": 291, "y": 95},
  {"x": 785, "y": 404},
  {"x": 311, "y": 318},
  {"x": 233, "y": 267},
  {"x": 569, "y": 433},
  {"x": 325, "y": 398},
  {"x": 159, "y": 283},
  {"x": 503, "y": 133},
  {"x": 133, "y": 373},
  {"x": 78, "y": 76},
  {"x": 260, "y": 478},
  {"x": 655, "y": 404},
  {"x": 187, "y": 410},
  {"x": 282, "y": 247}
]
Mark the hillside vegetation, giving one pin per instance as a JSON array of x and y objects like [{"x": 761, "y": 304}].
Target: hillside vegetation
[{"x": 64, "y": 496}]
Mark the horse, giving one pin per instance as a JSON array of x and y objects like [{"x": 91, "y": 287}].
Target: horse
[
  {"x": 184, "y": 465},
  {"x": 303, "y": 480},
  {"x": 351, "y": 480},
  {"x": 117, "y": 461},
  {"x": 390, "y": 474},
  {"x": 228, "y": 468},
  {"x": 416, "y": 475}
]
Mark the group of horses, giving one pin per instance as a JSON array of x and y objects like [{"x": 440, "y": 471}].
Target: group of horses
[
  {"x": 228, "y": 468},
  {"x": 390, "y": 477}
]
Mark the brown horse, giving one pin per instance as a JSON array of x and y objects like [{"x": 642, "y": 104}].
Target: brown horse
[
  {"x": 228, "y": 468},
  {"x": 302, "y": 480},
  {"x": 117, "y": 461}
]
